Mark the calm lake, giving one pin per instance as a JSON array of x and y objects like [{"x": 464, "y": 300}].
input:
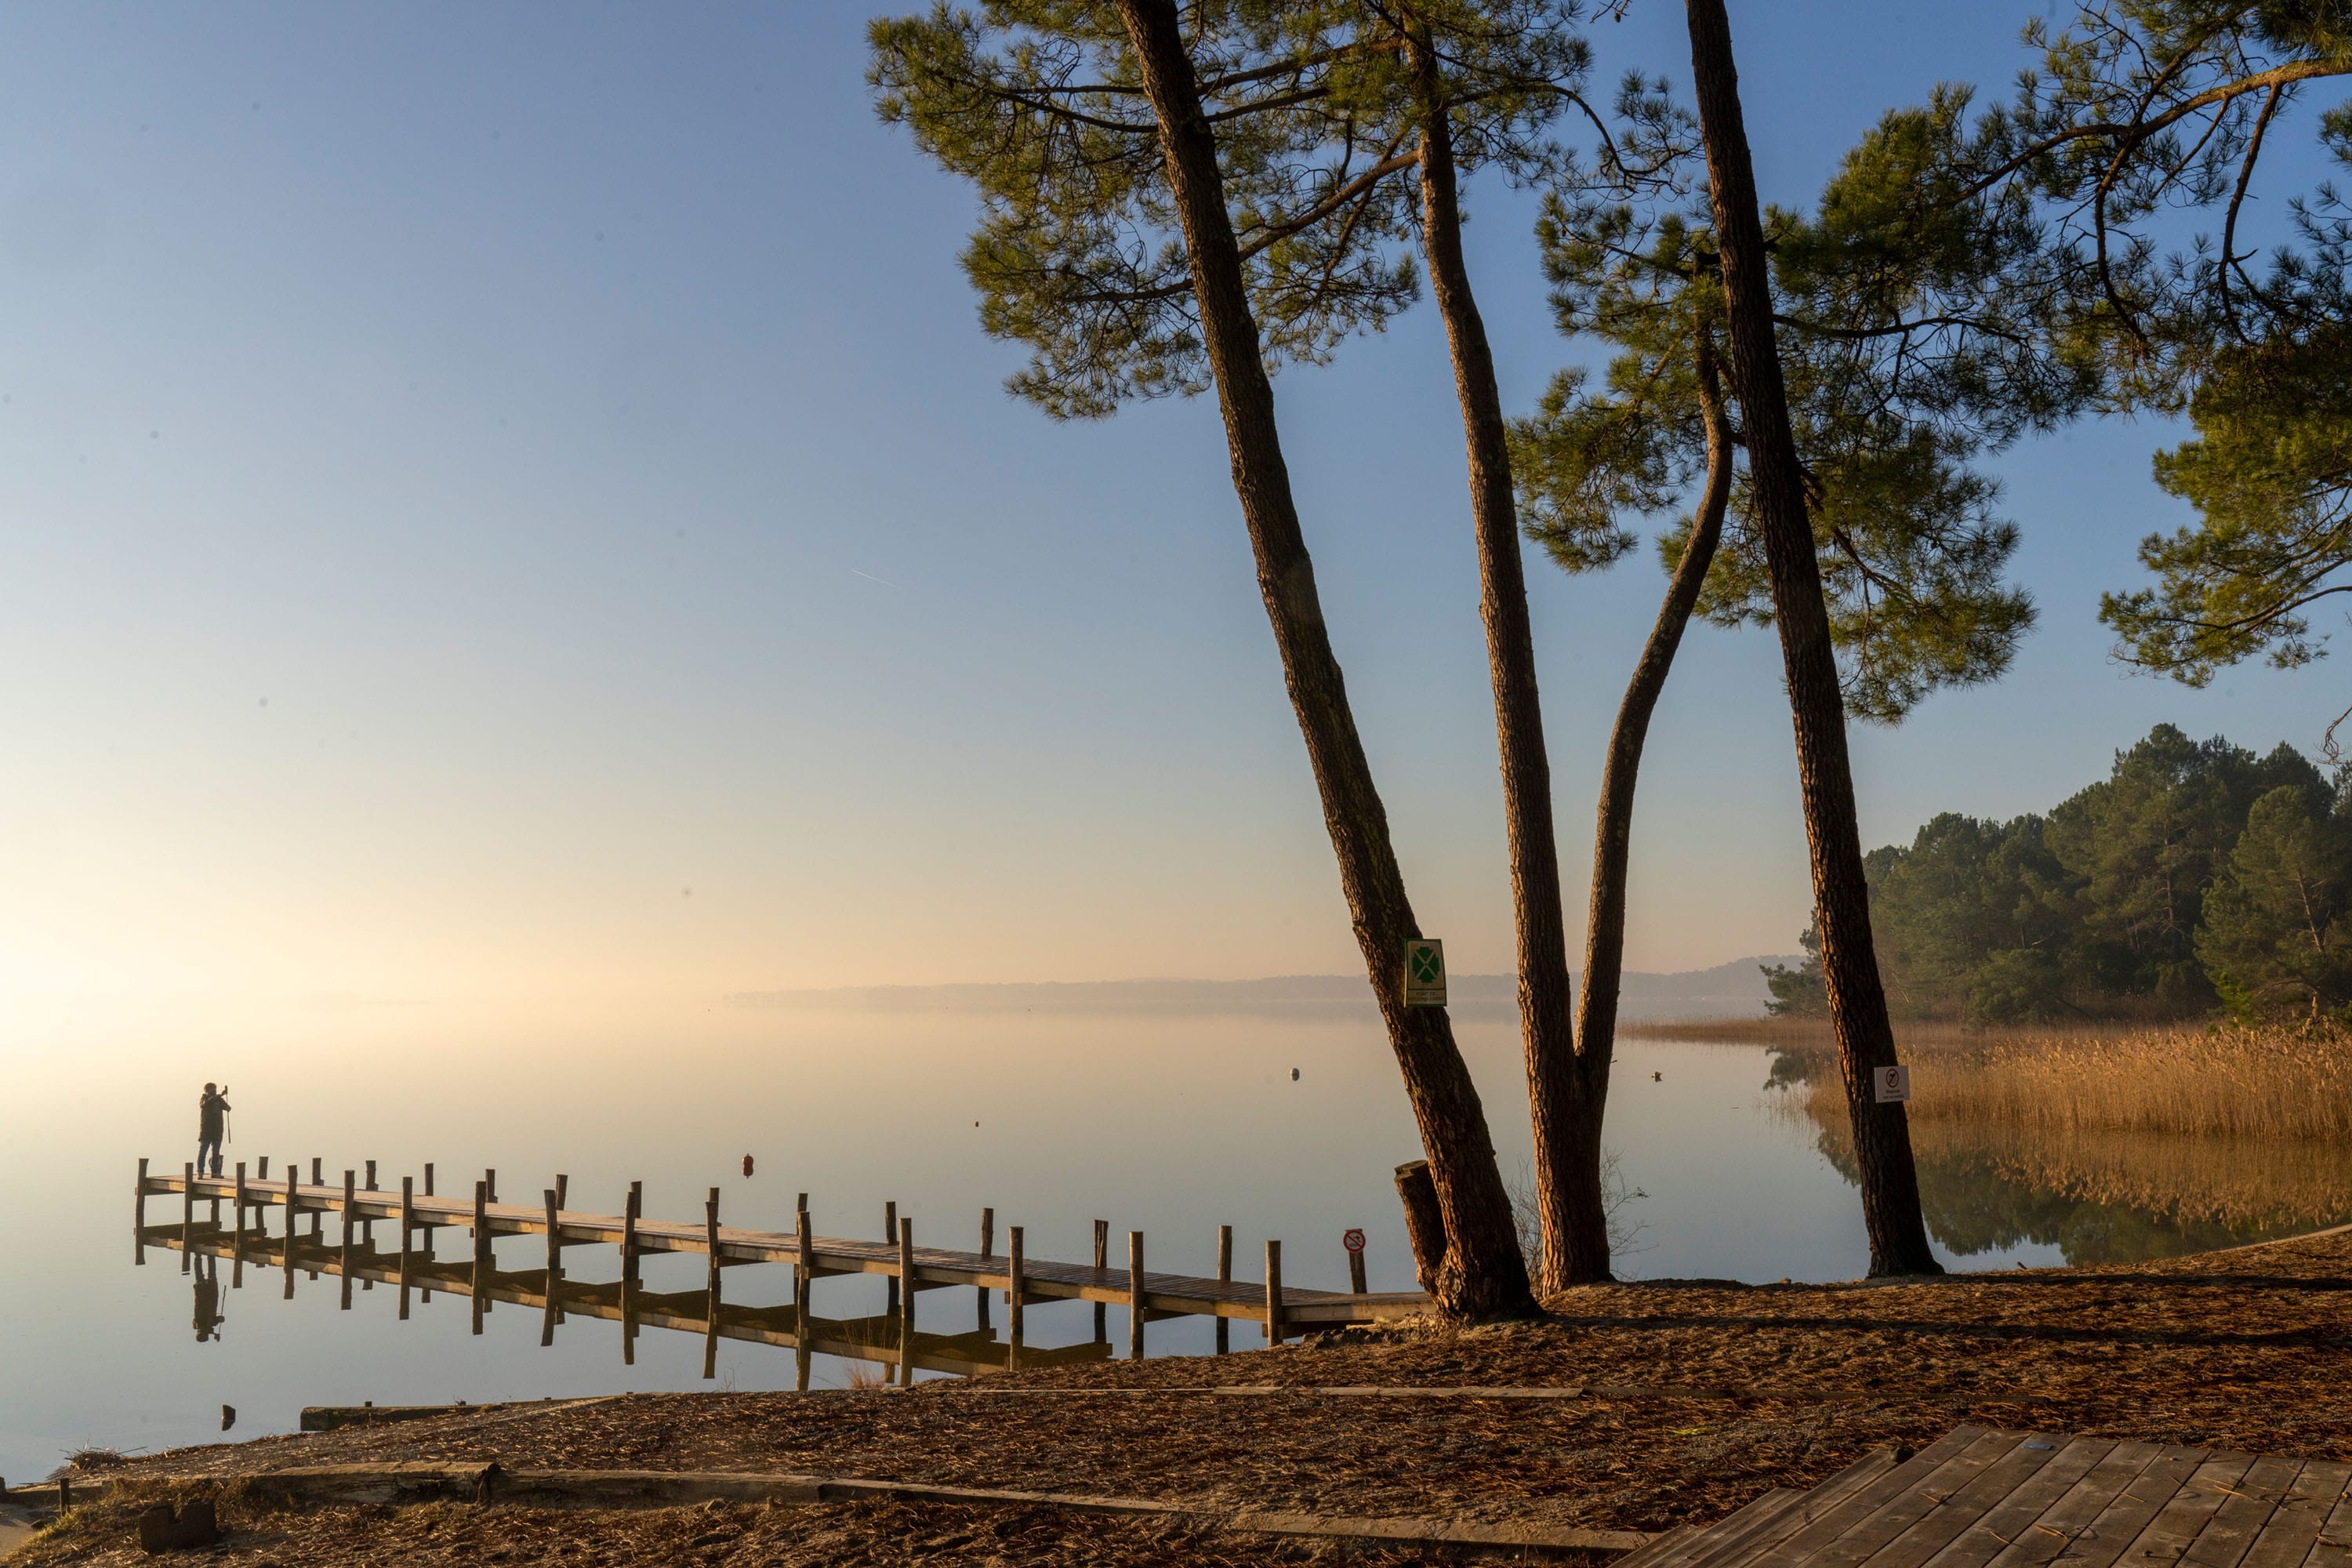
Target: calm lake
[{"x": 1165, "y": 1122}]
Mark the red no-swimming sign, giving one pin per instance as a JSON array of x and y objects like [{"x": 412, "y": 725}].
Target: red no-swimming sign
[{"x": 1353, "y": 1241}]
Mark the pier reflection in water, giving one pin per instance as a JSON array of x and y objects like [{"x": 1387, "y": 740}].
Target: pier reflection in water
[{"x": 205, "y": 1246}]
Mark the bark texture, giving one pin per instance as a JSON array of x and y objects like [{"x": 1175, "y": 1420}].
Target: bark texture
[
  {"x": 1575, "y": 1226},
  {"x": 1604, "y": 938},
  {"x": 1484, "y": 1275},
  {"x": 1857, "y": 1001},
  {"x": 1424, "y": 1226}
]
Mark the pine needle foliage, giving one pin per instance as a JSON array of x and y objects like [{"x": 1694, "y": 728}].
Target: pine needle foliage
[
  {"x": 1076, "y": 254},
  {"x": 1912, "y": 344}
]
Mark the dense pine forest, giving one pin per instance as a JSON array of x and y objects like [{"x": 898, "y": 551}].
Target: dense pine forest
[{"x": 2196, "y": 878}]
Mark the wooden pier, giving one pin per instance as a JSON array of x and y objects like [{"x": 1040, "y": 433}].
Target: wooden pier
[{"x": 1018, "y": 1280}]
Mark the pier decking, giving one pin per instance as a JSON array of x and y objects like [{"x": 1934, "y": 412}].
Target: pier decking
[{"x": 1019, "y": 1281}]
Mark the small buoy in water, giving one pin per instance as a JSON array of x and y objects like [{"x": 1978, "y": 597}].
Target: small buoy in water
[
  {"x": 229, "y": 1417},
  {"x": 747, "y": 1165},
  {"x": 1657, "y": 1077},
  {"x": 1293, "y": 1074}
]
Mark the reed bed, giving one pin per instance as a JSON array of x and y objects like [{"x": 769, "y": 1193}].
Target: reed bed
[{"x": 2266, "y": 1084}]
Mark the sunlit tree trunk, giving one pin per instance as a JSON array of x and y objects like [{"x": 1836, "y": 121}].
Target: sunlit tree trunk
[
  {"x": 1484, "y": 1275},
  {"x": 1604, "y": 936},
  {"x": 1573, "y": 1223},
  {"x": 1857, "y": 1001}
]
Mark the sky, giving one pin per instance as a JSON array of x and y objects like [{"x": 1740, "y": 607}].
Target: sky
[{"x": 515, "y": 502}]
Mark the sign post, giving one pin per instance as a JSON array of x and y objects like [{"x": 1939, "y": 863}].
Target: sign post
[
  {"x": 1354, "y": 1242},
  {"x": 1424, "y": 972},
  {"x": 1893, "y": 1083}
]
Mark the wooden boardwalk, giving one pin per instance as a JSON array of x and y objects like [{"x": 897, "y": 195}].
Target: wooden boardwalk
[
  {"x": 1019, "y": 1281},
  {"x": 1982, "y": 1499}
]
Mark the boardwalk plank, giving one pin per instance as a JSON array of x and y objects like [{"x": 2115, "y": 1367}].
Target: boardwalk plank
[
  {"x": 1797, "y": 1550},
  {"x": 2177, "y": 1525},
  {"x": 1967, "y": 1504},
  {"x": 2113, "y": 1529},
  {"x": 2054, "y": 1530},
  {"x": 1999, "y": 1526},
  {"x": 2223, "y": 1541},
  {"x": 2287, "y": 1540},
  {"x": 2332, "y": 1548}
]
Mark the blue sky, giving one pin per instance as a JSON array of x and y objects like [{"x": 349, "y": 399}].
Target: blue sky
[{"x": 515, "y": 500}]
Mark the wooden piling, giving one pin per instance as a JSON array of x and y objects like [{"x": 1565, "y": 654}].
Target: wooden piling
[
  {"x": 1225, "y": 1277},
  {"x": 239, "y": 1255},
  {"x": 429, "y": 1178},
  {"x": 187, "y": 1209},
  {"x": 351, "y": 1181},
  {"x": 490, "y": 1180},
  {"x": 1012, "y": 1324},
  {"x": 431, "y": 1232},
  {"x": 407, "y": 1223},
  {"x": 554, "y": 1268},
  {"x": 710, "y": 1312},
  {"x": 890, "y": 1292},
  {"x": 139, "y": 1217},
  {"x": 1273, "y": 1327},
  {"x": 563, "y": 1192},
  {"x": 293, "y": 1204},
  {"x": 1356, "y": 1270},
  {"x": 987, "y": 1250},
  {"x": 630, "y": 1209},
  {"x": 1135, "y": 1295},
  {"x": 906, "y": 1302},
  {"x": 804, "y": 1275},
  {"x": 262, "y": 1175},
  {"x": 367, "y": 1226},
  {"x": 1102, "y": 1262},
  {"x": 482, "y": 1254},
  {"x": 319, "y": 1215}
]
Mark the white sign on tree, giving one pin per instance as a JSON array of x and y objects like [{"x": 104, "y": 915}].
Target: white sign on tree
[
  {"x": 1424, "y": 972},
  {"x": 1893, "y": 1083}
]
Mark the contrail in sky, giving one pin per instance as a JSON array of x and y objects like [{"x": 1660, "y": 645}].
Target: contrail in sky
[{"x": 871, "y": 578}]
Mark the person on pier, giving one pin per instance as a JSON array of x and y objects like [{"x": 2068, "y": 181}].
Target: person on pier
[{"x": 212, "y": 1121}]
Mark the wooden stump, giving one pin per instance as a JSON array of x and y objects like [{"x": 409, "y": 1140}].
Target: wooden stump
[{"x": 1424, "y": 1224}]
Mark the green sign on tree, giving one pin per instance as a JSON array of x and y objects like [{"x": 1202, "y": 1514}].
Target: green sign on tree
[{"x": 1424, "y": 972}]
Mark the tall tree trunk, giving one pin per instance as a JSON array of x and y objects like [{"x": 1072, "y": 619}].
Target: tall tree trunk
[
  {"x": 1573, "y": 1222},
  {"x": 1882, "y": 1135},
  {"x": 1613, "y": 835},
  {"x": 1484, "y": 1275}
]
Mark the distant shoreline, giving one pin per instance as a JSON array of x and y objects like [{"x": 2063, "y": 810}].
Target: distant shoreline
[{"x": 1727, "y": 991}]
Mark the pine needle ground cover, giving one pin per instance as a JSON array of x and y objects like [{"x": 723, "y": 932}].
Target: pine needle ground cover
[{"x": 1696, "y": 1397}]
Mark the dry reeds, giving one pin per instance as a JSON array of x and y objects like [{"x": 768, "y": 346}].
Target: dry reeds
[{"x": 2264, "y": 1084}]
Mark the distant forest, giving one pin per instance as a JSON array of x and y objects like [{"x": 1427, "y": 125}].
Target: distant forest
[{"x": 2194, "y": 877}]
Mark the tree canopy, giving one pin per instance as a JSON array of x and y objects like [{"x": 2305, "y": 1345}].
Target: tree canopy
[
  {"x": 1905, "y": 307},
  {"x": 1038, "y": 103}
]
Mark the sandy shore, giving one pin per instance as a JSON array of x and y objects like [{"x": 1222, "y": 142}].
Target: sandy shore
[{"x": 1634, "y": 1407}]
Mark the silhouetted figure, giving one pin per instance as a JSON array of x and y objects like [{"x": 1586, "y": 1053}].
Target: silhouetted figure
[
  {"x": 208, "y": 1317},
  {"x": 211, "y": 1121}
]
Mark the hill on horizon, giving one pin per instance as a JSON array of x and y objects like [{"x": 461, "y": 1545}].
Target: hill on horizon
[{"x": 1730, "y": 990}]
